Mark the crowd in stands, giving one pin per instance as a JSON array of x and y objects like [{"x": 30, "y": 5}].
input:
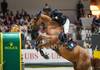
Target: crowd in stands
[
  {"x": 19, "y": 22},
  {"x": 25, "y": 23},
  {"x": 10, "y": 19}
]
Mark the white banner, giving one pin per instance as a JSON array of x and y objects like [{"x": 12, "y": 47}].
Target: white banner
[{"x": 32, "y": 56}]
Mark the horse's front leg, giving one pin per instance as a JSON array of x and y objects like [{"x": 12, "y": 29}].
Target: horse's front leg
[
  {"x": 42, "y": 53},
  {"x": 41, "y": 44}
]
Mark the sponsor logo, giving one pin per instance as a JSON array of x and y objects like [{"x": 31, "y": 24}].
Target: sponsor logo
[{"x": 11, "y": 46}]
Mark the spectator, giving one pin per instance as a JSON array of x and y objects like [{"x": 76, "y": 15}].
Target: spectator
[
  {"x": 96, "y": 23},
  {"x": 46, "y": 10},
  {"x": 4, "y": 6},
  {"x": 80, "y": 10},
  {"x": 96, "y": 20}
]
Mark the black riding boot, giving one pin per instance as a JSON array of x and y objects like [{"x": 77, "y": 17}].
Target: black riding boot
[{"x": 71, "y": 44}]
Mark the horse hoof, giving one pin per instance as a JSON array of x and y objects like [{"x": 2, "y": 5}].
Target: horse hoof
[{"x": 46, "y": 56}]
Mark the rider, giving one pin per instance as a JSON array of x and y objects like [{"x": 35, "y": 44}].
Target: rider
[{"x": 64, "y": 36}]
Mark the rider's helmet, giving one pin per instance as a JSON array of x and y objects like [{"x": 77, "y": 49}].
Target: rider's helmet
[{"x": 57, "y": 16}]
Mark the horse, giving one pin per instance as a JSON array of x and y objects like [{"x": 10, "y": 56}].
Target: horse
[{"x": 78, "y": 56}]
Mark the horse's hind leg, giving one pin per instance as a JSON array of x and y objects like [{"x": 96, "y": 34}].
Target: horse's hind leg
[{"x": 75, "y": 66}]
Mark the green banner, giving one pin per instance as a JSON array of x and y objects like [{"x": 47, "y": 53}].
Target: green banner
[
  {"x": 0, "y": 49},
  {"x": 11, "y": 51},
  {"x": 1, "y": 52}
]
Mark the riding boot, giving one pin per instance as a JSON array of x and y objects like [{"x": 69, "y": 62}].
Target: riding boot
[{"x": 71, "y": 44}]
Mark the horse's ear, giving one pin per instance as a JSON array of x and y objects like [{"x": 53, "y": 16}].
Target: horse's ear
[{"x": 46, "y": 18}]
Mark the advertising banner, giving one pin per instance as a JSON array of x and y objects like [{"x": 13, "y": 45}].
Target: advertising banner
[
  {"x": 31, "y": 56},
  {"x": 11, "y": 51}
]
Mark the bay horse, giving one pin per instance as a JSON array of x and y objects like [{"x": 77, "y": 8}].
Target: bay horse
[{"x": 78, "y": 56}]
